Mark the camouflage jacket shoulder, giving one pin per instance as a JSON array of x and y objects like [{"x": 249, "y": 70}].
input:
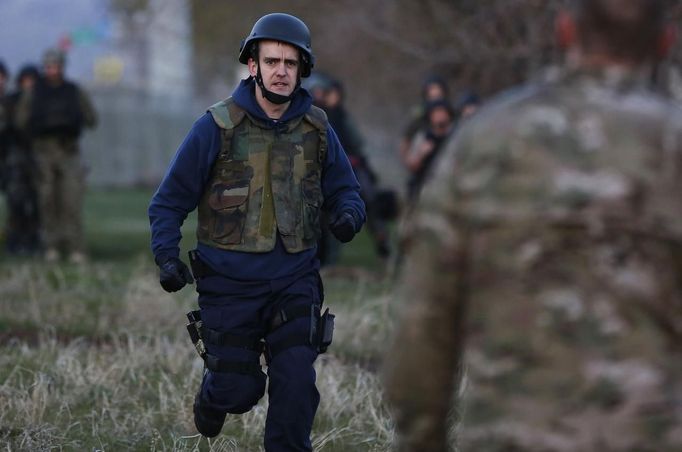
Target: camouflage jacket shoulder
[
  {"x": 595, "y": 137},
  {"x": 551, "y": 237}
]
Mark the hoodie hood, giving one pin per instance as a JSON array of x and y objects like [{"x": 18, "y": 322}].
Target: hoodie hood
[{"x": 245, "y": 96}]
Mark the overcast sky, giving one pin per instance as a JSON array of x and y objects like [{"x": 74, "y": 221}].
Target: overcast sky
[{"x": 28, "y": 27}]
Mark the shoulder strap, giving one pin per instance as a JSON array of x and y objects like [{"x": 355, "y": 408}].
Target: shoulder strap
[
  {"x": 318, "y": 118},
  {"x": 227, "y": 114}
]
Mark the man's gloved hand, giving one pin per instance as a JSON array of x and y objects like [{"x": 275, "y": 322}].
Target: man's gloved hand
[
  {"x": 174, "y": 274},
  {"x": 344, "y": 227}
]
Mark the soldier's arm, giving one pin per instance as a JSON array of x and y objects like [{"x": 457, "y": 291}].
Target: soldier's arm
[
  {"x": 420, "y": 369},
  {"x": 88, "y": 109}
]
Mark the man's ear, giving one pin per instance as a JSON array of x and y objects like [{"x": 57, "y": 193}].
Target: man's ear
[
  {"x": 565, "y": 29},
  {"x": 253, "y": 67},
  {"x": 666, "y": 40}
]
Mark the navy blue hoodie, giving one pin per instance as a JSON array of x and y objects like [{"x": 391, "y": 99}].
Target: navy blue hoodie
[{"x": 182, "y": 186}]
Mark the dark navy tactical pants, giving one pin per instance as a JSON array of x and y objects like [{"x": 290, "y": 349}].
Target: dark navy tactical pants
[{"x": 247, "y": 308}]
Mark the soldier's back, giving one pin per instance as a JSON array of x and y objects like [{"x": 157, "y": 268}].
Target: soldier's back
[{"x": 567, "y": 198}]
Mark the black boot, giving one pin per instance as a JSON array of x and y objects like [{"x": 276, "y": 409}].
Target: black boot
[{"x": 208, "y": 421}]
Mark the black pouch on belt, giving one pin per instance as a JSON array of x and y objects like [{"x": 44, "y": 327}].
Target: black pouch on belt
[{"x": 325, "y": 330}]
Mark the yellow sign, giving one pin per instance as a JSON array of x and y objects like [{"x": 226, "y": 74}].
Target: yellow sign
[{"x": 108, "y": 70}]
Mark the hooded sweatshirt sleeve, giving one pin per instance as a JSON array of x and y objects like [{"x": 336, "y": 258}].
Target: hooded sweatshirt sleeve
[
  {"x": 182, "y": 186},
  {"x": 340, "y": 187}
]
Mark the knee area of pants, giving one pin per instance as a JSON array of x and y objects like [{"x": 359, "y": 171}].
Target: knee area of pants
[
  {"x": 237, "y": 393},
  {"x": 294, "y": 366}
]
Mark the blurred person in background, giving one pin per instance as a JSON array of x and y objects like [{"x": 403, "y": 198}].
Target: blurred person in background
[
  {"x": 259, "y": 166},
  {"x": 545, "y": 258},
  {"x": 427, "y": 144},
  {"x": 434, "y": 88},
  {"x": 4, "y": 125},
  {"x": 353, "y": 145},
  {"x": 23, "y": 222},
  {"x": 54, "y": 113},
  {"x": 317, "y": 85}
]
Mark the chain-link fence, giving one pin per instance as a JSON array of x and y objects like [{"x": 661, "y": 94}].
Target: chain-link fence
[{"x": 137, "y": 135}]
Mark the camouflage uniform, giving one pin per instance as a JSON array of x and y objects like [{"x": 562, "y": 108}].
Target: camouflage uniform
[
  {"x": 60, "y": 174},
  {"x": 549, "y": 246}
]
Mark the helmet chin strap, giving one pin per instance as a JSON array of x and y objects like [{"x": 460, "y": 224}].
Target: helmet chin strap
[{"x": 275, "y": 98}]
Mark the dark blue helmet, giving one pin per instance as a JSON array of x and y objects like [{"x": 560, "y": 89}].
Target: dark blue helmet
[{"x": 284, "y": 28}]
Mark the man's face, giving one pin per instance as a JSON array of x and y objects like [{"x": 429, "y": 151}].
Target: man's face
[
  {"x": 440, "y": 122},
  {"x": 333, "y": 97},
  {"x": 53, "y": 72},
  {"x": 279, "y": 66},
  {"x": 27, "y": 82},
  {"x": 434, "y": 91}
]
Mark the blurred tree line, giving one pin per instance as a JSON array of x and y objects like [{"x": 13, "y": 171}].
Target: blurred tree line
[{"x": 383, "y": 49}]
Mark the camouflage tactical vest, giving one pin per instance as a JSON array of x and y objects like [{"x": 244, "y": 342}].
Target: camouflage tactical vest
[{"x": 265, "y": 180}]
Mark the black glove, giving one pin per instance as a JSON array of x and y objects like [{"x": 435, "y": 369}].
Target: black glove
[
  {"x": 344, "y": 227},
  {"x": 174, "y": 274}
]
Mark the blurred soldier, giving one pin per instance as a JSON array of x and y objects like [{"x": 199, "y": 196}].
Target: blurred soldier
[
  {"x": 4, "y": 75},
  {"x": 434, "y": 89},
  {"x": 545, "y": 260},
  {"x": 259, "y": 166},
  {"x": 316, "y": 84},
  {"x": 428, "y": 143},
  {"x": 352, "y": 142},
  {"x": 55, "y": 113},
  {"x": 23, "y": 224},
  {"x": 4, "y": 124}
]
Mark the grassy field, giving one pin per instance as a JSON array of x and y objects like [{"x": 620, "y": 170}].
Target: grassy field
[{"x": 96, "y": 357}]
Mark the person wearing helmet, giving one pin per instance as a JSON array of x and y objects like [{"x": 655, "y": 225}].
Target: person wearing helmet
[
  {"x": 428, "y": 143},
  {"x": 54, "y": 113},
  {"x": 317, "y": 85},
  {"x": 259, "y": 167},
  {"x": 4, "y": 126},
  {"x": 4, "y": 74},
  {"x": 353, "y": 143},
  {"x": 23, "y": 223},
  {"x": 434, "y": 88}
]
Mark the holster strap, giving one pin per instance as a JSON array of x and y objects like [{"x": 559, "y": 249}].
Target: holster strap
[
  {"x": 215, "y": 364},
  {"x": 288, "y": 314},
  {"x": 222, "y": 338}
]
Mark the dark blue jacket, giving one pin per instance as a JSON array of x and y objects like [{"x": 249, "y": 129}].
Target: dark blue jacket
[{"x": 182, "y": 186}]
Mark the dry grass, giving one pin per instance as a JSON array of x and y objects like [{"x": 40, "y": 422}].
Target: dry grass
[{"x": 96, "y": 358}]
